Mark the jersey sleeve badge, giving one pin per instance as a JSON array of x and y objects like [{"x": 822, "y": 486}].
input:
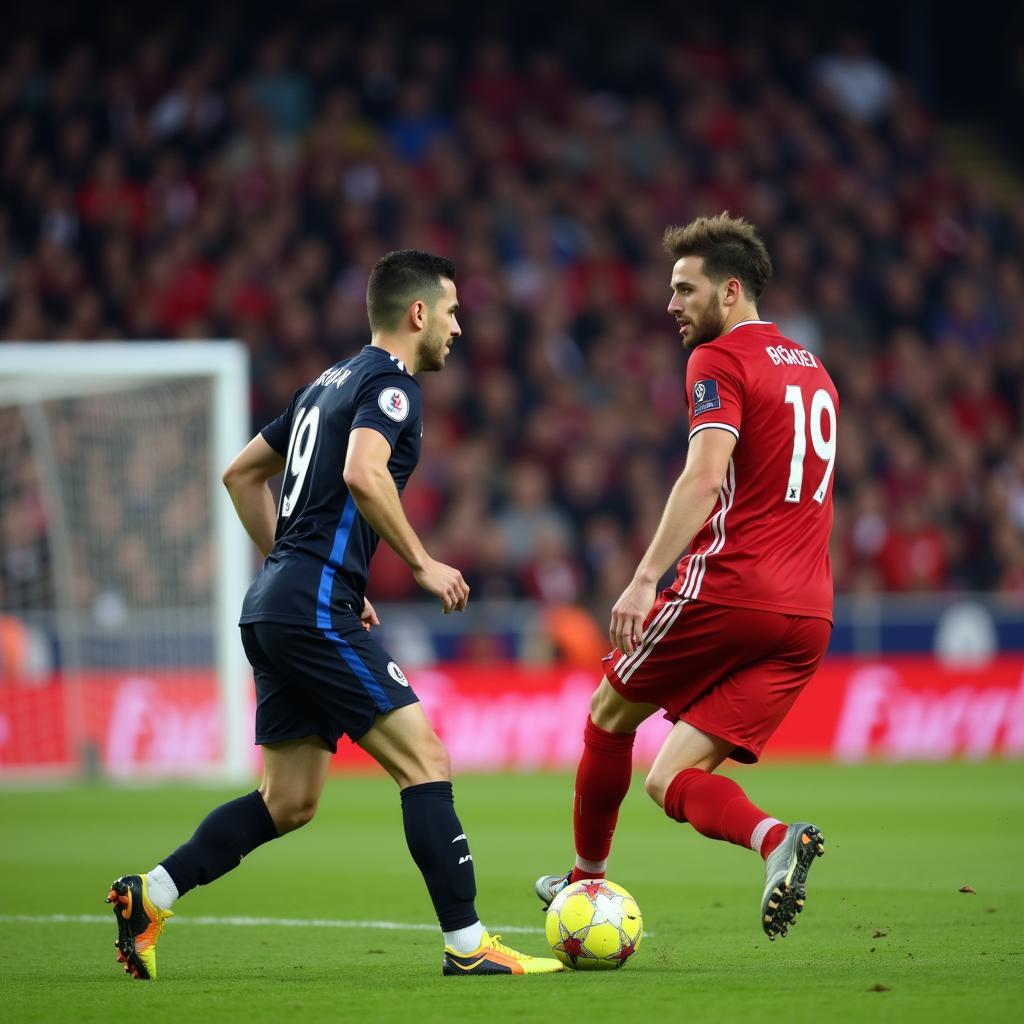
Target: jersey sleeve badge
[
  {"x": 705, "y": 396},
  {"x": 394, "y": 403}
]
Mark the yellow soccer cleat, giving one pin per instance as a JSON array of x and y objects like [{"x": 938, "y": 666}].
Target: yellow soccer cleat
[
  {"x": 493, "y": 957},
  {"x": 139, "y": 924}
]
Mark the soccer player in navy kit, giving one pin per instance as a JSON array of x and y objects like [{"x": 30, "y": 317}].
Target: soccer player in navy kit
[{"x": 347, "y": 444}]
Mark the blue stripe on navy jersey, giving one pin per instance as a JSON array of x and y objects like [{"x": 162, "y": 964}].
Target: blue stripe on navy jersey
[
  {"x": 323, "y": 608},
  {"x": 318, "y": 567},
  {"x": 333, "y": 563}
]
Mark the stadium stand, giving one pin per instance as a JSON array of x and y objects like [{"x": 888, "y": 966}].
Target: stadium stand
[{"x": 239, "y": 181}]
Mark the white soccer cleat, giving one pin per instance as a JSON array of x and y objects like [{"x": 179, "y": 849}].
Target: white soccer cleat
[{"x": 547, "y": 887}]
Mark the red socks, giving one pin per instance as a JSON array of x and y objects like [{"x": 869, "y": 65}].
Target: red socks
[
  {"x": 602, "y": 781},
  {"x": 713, "y": 804},
  {"x": 717, "y": 808}
]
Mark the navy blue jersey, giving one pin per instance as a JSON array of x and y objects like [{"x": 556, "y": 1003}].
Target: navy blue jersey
[{"x": 323, "y": 546}]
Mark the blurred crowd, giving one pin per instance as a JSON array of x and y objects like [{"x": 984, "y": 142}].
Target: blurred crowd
[{"x": 230, "y": 182}]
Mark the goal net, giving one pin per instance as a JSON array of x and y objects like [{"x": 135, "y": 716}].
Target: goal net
[{"x": 122, "y": 565}]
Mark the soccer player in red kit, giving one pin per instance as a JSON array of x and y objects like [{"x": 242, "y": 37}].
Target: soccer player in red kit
[{"x": 726, "y": 650}]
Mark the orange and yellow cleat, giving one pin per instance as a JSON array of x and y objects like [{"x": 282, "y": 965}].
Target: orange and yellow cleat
[
  {"x": 139, "y": 924},
  {"x": 493, "y": 957}
]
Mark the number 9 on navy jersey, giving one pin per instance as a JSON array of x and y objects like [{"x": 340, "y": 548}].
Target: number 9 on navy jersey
[{"x": 324, "y": 670}]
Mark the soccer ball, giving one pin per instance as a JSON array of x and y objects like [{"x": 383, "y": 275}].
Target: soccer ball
[{"x": 594, "y": 925}]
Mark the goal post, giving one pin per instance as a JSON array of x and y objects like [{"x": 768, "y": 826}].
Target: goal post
[{"x": 123, "y": 564}]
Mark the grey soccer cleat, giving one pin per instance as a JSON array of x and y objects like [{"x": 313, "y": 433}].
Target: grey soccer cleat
[
  {"x": 547, "y": 887},
  {"x": 785, "y": 873}
]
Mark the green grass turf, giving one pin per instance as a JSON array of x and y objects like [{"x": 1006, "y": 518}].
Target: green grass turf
[{"x": 884, "y": 906}]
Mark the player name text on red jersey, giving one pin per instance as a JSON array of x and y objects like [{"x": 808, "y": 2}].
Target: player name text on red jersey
[{"x": 790, "y": 356}]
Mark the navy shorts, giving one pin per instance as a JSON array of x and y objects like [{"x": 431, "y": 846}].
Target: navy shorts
[{"x": 312, "y": 682}]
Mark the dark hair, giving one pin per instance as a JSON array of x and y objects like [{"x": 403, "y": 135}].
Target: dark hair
[
  {"x": 401, "y": 278},
  {"x": 729, "y": 246}
]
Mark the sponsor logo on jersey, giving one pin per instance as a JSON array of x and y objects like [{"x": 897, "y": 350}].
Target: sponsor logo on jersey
[
  {"x": 705, "y": 396},
  {"x": 394, "y": 404},
  {"x": 399, "y": 677}
]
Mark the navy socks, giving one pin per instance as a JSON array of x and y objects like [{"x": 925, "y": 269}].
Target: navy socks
[
  {"x": 220, "y": 842},
  {"x": 432, "y": 830},
  {"x": 439, "y": 847}
]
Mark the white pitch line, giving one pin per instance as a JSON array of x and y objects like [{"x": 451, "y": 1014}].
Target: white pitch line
[{"x": 258, "y": 922}]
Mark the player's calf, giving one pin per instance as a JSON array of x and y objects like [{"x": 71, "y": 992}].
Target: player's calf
[{"x": 290, "y": 813}]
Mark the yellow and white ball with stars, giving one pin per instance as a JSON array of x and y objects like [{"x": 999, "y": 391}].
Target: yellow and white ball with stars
[{"x": 594, "y": 925}]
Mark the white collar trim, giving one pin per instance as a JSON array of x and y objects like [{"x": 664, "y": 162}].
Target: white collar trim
[{"x": 745, "y": 323}]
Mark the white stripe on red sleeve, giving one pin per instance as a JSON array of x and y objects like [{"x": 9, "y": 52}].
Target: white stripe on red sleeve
[{"x": 719, "y": 426}]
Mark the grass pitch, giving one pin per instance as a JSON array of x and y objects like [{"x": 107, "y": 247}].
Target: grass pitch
[{"x": 886, "y": 935}]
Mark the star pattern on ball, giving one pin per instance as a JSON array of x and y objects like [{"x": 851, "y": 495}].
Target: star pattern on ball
[
  {"x": 572, "y": 944},
  {"x": 608, "y": 910},
  {"x": 594, "y": 889},
  {"x": 594, "y": 925},
  {"x": 625, "y": 951}
]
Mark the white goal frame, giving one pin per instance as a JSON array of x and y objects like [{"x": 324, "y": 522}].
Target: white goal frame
[{"x": 32, "y": 372}]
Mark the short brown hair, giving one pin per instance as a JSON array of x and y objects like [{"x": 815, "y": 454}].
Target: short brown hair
[{"x": 729, "y": 246}]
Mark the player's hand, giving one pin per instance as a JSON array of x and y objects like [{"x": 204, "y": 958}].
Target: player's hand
[
  {"x": 445, "y": 583},
  {"x": 627, "y": 624},
  {"x": 369, "y": 616}
]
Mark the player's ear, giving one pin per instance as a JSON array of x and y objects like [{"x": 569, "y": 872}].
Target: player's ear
[
  {"x": 418, "y": 314},
  {"x": 733, "y": 291}
]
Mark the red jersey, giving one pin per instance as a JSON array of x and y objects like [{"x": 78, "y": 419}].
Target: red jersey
[{"x": 765, "y": 545}]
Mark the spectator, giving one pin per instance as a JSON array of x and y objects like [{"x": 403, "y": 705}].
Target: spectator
[
  {"x": 189, "y": 191},
  {"x": 529, "y": 513},
  {"x": 416, "y": 126},
  {"x": 859, "y": 84}
]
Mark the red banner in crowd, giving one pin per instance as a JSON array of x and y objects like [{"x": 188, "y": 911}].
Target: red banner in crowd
[{"x": 495, "y": 717}]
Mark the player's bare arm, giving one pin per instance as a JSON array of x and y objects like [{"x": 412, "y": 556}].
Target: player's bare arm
[
  {"x": 690, "y": 503},
  {"x": 246, "y": 481},
  {"x": 376, "y": 497}
]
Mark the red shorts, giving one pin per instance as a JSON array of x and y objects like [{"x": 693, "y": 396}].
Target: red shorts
[{"x": 730, "y": 672}]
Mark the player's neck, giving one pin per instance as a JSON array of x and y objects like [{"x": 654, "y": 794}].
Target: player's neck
[
  {"x": 740, "y": 315},
  {"x": 403, "y": 349}
]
